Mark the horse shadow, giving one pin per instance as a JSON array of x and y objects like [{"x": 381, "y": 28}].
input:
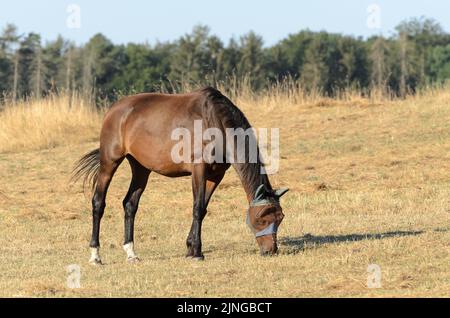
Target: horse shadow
[{"x": 299, "y": 244}]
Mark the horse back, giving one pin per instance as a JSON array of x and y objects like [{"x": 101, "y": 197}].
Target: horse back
[{"x": 142, "y": 125}]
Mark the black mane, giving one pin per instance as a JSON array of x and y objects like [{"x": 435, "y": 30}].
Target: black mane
[{"x": 220, "y": 112}]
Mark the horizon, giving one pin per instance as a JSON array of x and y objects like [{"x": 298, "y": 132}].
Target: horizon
[{"x": 79, "y": 21}]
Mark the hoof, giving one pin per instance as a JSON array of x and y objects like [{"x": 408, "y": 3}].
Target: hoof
[
  {"x": 133, "y": 260},
  {"x": 95, "y": 256},
  {"x": 95, "y": 262},
  {"x": 190, "y": 254},
  {"x": 198, "y": 258}
]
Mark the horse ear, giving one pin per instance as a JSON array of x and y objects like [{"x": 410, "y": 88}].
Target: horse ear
[
  {"x": 260, "y": 193},
  {"x": 279, "y": 193}
]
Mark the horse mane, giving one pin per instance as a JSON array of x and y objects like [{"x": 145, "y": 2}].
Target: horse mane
[{"x": 220, "y": 112}]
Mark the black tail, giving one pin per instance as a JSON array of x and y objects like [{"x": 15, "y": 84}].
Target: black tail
[{"x": 87, "y": 168}]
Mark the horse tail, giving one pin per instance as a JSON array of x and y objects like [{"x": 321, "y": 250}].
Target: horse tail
[{"x": 87, "y": 168}]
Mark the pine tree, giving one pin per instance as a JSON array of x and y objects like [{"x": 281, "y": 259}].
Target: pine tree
[
  {"x": 9, "y": 40},
  {"x": 251, "y": 61},
  {"x": 378, "y": 54},
  {"x": 403, "y": 42}
]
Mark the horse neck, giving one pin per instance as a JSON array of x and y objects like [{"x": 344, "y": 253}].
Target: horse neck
[{"x": 252, "y": 177}]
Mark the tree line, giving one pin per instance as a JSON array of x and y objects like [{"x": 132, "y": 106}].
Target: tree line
[{"x": 416, "y": 55}]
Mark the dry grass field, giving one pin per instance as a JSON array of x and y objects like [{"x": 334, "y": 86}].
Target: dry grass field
[{"x": 369, "y": 180}]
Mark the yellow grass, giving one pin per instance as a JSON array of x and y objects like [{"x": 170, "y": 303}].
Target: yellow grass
[
  {"x": 369, "y": 184},
  {"x": 47, "y": 123}
]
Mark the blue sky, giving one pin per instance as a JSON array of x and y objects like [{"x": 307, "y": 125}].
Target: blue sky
[{"x": 140, "y": 21}]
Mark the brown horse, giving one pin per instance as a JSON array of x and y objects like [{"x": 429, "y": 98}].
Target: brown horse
[{"x": 140, "y": 128}]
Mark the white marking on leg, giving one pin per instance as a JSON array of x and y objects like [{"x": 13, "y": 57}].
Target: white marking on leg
[
  {"x": 129, "y": 249},
  {"x": 95, "y": 256}
]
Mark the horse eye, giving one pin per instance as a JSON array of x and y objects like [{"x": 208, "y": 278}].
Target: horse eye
[
  {"x": 262, "y": 221},
  {"x": 271, "y": 210}
]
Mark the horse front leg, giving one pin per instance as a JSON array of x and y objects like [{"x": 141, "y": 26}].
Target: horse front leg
[
  {"x": 210, "y": 186},
  {"x": 194, "y": 241}
]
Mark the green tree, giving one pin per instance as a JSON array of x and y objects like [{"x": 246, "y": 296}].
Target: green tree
[
  {"x": 192, "y": 60},
  {"x": 355, "y": 61},
  {"x": 378, "y": 52},
  {"x": 252, "y": 59},
  {"x": 102, "y": 61},
  {"x": 144, "y": 68},
  {"x": 439, "y": 64},
  {"x": 30, "y": 66},
  {"x": 9, "y": 63},
  {"x": 53, "y": 61},
  {"x": 417, "y": 54},
  {"x": 324, "y": 67},
  {"x": 293, "y": 49},
  {"x": 421, "y": 35},
  {"x": 231, "y": 56}
]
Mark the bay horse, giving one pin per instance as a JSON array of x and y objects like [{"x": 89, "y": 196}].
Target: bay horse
[{"x": 139, "y": 129}]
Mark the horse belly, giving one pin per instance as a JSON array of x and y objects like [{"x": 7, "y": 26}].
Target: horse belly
[
  {"x": 149, "y": 138},
  {"x": 155, "y": 155}
]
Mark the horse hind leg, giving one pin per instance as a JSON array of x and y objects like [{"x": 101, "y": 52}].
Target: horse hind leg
[
  {"x": 138, "y": 184},
  {"x": 106, "y": 172}
]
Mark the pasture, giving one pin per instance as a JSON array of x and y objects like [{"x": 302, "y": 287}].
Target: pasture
[{"x": 369, "y": 180}]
